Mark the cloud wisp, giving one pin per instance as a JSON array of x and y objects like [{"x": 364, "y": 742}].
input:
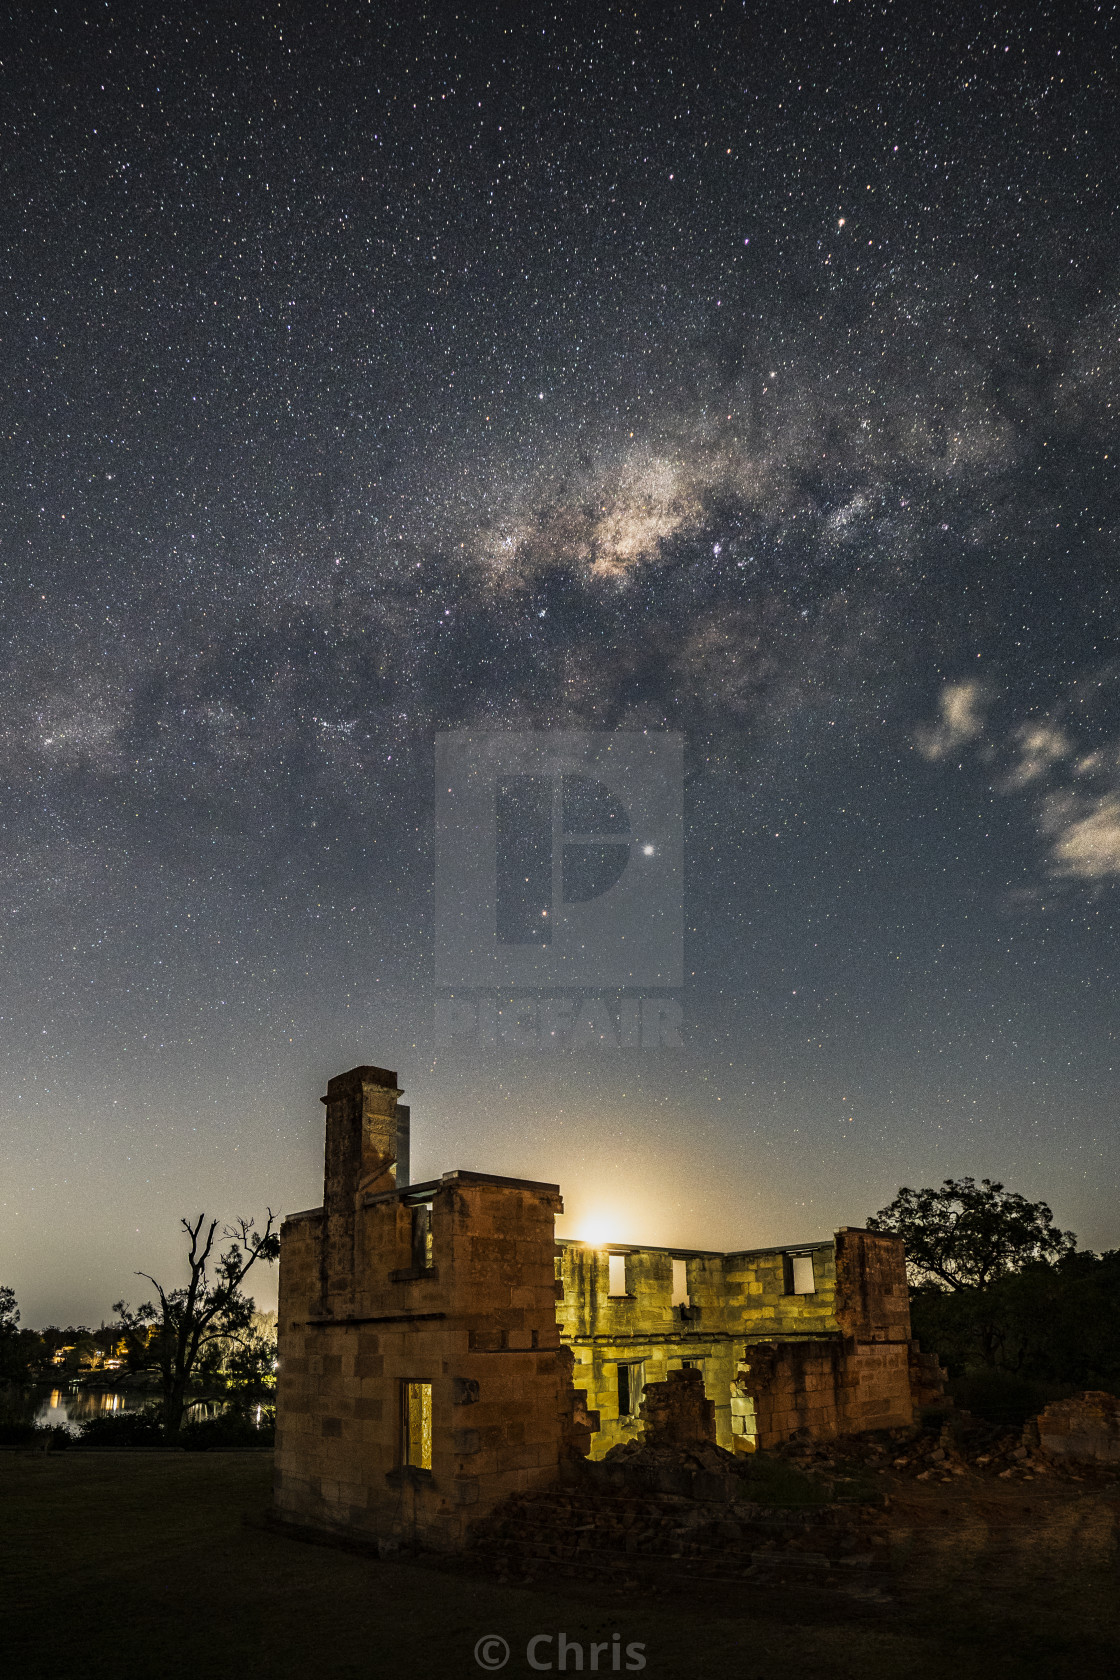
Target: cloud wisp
[{"x": 1074, "y": 793}]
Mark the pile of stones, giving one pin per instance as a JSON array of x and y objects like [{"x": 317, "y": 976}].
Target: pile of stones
[
  {"x": 963, "y": 1446},
  {"x": 628, "y": 1520}
]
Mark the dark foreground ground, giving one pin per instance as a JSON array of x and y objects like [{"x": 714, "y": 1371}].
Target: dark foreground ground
[{"x": 116, "y": 1564}]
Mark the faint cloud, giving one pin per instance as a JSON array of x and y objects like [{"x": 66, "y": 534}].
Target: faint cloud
[
  {"x": 1085, "y": 835},
  {"x": 1076, "y": 794},
  {"x": 1040, "y": 747},
  {"x": 958, "y": 722}
]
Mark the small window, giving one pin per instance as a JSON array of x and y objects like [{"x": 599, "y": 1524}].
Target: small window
[
  {"x": 422, "y": 1237},
  {"x": 680, "y": 1283},
  {"x": 616, "y": 1274},
  {"x": 799, "y": 1275},
  {"x": 631, "y": 1385},
  {"x": 416, "y": 1425}
]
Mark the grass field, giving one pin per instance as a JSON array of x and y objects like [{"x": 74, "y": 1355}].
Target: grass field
[{"x": 159, "y": 1565}]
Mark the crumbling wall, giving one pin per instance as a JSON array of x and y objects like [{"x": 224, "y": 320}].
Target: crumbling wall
[
  {"x": 1084, "y": 1429},
  {"x": 795, "y": 1386},
  {"x": 872, "y": 1294},
  {"x": 729, "y": 1296},
  {"x": 874, "y": 1391},
  {"x": 677, "y": 1412},
  {"x": 927, "y": 1378},
  {"x": 822, "y": 1389},
  {"x": 596, "y": 1373}
]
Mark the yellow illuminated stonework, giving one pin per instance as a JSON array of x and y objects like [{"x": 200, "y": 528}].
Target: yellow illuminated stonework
[
  {"x": 653, "y": 1310},
  {"x": 417, "y": 1410}
]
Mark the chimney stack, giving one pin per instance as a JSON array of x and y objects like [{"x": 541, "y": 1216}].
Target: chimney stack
[
  {"x": 366, "y": 1150},
  {"x": 362, "y": 1132}
]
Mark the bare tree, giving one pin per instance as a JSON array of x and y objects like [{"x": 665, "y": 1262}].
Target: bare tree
[{"x": 169, "y": 1337}]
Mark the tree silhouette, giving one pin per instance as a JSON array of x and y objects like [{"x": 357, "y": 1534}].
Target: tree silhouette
[
  {"x": 170, "y": 1337},
  {"x": 966, "y": 1235}
]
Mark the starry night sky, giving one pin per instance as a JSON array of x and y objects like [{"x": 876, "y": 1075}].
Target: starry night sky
[{"x": 749, "y": 372}]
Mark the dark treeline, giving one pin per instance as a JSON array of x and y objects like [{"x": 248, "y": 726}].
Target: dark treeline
[
  {"x": 1050, "y": 1329},
  {"x": 1015, "y": 1311}
]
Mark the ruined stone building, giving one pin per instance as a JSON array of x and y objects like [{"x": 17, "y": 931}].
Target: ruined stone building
[{"x": 439, "y": 1349}]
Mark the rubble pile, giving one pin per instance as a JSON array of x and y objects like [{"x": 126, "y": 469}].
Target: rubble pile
[
  {"x": 963, "y": 1446},
  {"x": 698, "y": 1470},
  {"x": 624, "y": 1520}
]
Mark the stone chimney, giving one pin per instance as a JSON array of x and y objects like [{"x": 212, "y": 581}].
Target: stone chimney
[{"x": 366, "y": 1150}]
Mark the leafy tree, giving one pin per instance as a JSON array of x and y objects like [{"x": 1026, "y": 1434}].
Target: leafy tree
[
  {"x": 173, "y": 1336},
  {"x": 1049, "y": 1323},
  {"x": 244, "y": 1364},
  {"x": 21, "y": 1350},
  {"x": 967, "y": 1235},
  {"x": 13, "y": 1340},
  {"x": 9, "y": 1311}
]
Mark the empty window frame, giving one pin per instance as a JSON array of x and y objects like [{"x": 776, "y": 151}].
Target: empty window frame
[
  {"x": 631, "y": 1386},
  {"x": 416, "y": 1425},
  {"x": 680, "y": 1284},
  {"x": 799, "y": 1275},
  {"x": 616, "y": 1274},
  {"x": 422, "y": 1237}
]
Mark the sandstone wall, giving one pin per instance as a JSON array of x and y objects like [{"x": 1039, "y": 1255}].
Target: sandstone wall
[
  {"x": 1084, "y": 1429},
  {"x": 826, "y": 1388},
  {"x": 479, "y": 1326}
]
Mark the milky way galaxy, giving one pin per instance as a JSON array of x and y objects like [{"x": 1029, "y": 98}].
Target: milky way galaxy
[{"x": 739, "y": 374}]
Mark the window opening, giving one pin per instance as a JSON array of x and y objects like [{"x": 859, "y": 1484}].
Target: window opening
[
  {"x": 680, "y": 1283},
  {"x": 616, "y": 1274},
  {"x": 631, "y": 1386},
  {"x": 422, "y": 1237},
  {"x": 801, "y": 1278},
  {"x": 416, "y": 1425}
]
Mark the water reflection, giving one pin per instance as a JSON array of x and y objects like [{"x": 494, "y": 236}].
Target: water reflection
[{"x": 69, "y": 1408}]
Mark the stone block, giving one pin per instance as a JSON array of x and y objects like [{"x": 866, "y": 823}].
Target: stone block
[{"x": 1084, "y": 1429}]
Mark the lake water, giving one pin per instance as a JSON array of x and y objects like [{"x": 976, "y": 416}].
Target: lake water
[{"x": 69, "y": 1408}]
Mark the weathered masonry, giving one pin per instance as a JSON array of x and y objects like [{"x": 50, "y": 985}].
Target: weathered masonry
[
  {"x": 439, "y": 1350},
  {"x": 422, "y": 1376},
  {"x": 813, "y": 1337}
]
